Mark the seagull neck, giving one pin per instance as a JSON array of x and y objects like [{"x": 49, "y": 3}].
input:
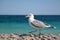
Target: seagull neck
[{"x": 31, "y": 19}]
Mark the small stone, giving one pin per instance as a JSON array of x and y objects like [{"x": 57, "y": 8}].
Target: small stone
[
  {"x": 44, "y": 36},
  {"x": 43, "y": 39}
]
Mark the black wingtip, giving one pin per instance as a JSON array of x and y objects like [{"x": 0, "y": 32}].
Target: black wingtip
[{"x": 53, "y": 27}]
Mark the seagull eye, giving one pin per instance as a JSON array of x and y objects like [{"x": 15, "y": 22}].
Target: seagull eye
[{"x": 29, "y": 15}]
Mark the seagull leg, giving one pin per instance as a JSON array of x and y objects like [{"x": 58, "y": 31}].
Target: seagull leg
[
  {"x": 40, "y": 31},
  {"x": 33, "y": 31}
]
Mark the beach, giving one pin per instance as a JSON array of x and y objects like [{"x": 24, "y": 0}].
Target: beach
[
  {"x": 29, "y": 19},
  {"x": 16, "y": 27},
  {"x": 29, "y": 37}
]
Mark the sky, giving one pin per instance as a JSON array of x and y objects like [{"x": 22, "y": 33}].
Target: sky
[{"x": 23, "y": 7}]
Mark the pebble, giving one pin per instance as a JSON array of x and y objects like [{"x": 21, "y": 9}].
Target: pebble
[{"x": 29, "y": 37}]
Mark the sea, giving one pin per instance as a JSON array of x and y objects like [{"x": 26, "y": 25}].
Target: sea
[{"x": 19, "y": 24}]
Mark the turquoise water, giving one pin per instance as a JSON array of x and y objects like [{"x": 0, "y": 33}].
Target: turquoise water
[{"x": 19, "y": 24}]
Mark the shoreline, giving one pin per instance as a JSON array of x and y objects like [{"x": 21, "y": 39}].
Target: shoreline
[{"x": 29, "y": 37}]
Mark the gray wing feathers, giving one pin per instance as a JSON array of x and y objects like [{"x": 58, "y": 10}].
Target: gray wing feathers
[{"x": 38, "y": 23}]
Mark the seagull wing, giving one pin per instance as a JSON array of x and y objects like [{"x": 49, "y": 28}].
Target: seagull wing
[{"x": 38, "y": 24}]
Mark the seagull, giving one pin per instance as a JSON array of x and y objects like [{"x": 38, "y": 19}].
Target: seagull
[{"x": 37, "y": 24}]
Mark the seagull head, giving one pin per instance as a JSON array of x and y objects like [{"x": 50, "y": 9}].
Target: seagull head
[{"x": 30, "y": 15}]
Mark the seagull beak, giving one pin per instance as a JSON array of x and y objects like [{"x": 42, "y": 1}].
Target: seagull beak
[{"x": 27, "y": 16}]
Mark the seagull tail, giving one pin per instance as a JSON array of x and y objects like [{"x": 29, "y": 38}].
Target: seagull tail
[{"x": 53, "y": 27}]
